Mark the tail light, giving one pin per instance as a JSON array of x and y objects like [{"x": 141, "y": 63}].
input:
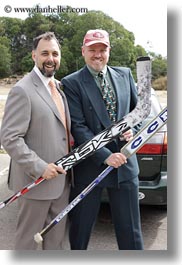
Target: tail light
[
  {"x": 157, "y": 145},
  {"x": 164, "y": 151}
]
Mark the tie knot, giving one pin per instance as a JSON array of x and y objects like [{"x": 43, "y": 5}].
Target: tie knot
[
  {"x": 101, "y": 74},
  {"x": 52, "y": 84}
]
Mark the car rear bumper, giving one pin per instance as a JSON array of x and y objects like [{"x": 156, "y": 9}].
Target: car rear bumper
[{"x": 154, "y": 193}]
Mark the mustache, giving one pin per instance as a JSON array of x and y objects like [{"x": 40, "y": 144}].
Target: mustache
[{"x": 49, "y": 63}]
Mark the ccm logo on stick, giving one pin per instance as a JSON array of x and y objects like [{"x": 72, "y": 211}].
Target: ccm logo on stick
[
  {"x": 149, "y": 130},
  {"x": 140, "y": 139}
]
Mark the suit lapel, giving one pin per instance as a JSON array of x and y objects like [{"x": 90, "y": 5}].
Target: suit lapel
[
  {"x": 95, "y": 97},
  {"x": 44, "y": 94},
  {"x": 119, "y": 85},
  {"x": 67, "y": 113}
]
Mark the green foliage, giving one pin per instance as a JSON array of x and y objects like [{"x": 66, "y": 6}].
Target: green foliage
[
  {"x": 5, "y": 41},
  {"x": 11, "y": 27},
  {"x": 27, "y": 63},
  {"x": 159, "y": 67},
  {"x": 35, "y": 25},
  {"x": 16, "y": 38},
  {"x": 5, "y": 61}
]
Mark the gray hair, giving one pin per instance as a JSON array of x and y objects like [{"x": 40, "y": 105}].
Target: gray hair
[{"x": 45, "y": 36}]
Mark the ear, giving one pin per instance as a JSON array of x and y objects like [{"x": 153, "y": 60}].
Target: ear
[
  {"x": 33, "y": 55},
  {"x": 83, "y": 51}
]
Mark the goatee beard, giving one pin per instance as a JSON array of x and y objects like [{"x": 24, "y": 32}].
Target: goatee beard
[{"x": 47, "y": 74}]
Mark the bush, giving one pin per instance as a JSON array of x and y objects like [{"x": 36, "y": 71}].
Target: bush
[
  {"x": 160, "y": 83},
  {"x": 5, "y": 61}
]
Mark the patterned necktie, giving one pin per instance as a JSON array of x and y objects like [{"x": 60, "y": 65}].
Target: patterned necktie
[
  {"x": 58, "y": 101},
  {"x": 108, "y": 96}
]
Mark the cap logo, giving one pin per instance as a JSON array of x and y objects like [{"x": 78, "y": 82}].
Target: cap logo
[{"x": 98, "y": 35}]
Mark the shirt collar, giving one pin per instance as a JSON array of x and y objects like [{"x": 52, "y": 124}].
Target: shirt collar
[
  {"x": 95, "y": 73},
  {"x": 43, "y": 78}
]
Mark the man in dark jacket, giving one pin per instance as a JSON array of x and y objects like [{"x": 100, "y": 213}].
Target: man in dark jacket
[{"x": 97, "y": 96}]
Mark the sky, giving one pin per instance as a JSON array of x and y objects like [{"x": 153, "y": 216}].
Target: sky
[{"x": 146, "y": 19}]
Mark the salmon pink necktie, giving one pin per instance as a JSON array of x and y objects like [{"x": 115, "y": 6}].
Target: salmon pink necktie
[{"x": 58, "y": 101}]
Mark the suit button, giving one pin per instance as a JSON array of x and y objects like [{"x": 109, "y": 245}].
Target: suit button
[{"x": 64, "y": 139}]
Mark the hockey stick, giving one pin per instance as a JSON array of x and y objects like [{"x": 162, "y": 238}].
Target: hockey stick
[
  {"x": 138, "y": 114},
  {"x": 128, "y": 150}
]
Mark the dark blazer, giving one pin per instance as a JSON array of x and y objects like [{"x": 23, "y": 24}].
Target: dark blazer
[
  {"x": 89, "y": 117},
  {"x": 33, "y": 134}
]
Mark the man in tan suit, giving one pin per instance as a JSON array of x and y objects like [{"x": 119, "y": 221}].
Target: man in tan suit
[{"x": 34, "y": 135}]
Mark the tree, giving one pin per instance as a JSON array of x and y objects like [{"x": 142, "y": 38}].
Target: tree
[
  {"x": 35, "y": 25},
  {"x": 159, "y": 67},
  {"x": 17, "y": 35},
  {"x": 13, "y": 31},
  {"x": 27, "y": 63},
  {"x": 5, "y": 61}
]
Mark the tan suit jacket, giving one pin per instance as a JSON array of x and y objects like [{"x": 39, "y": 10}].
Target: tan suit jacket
[{"x": 33, "y": 135}]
